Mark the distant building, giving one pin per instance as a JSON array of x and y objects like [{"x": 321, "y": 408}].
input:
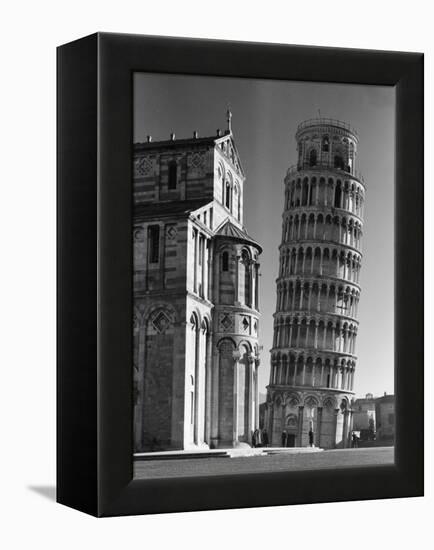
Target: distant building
[
  {"x": 385, "y": 417},
  {"x": 364, "y": 417},
  {"x": 374, "y": 418}
]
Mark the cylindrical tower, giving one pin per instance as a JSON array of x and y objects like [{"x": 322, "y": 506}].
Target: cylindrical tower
[
  {"x": 313, "y": 357},
  {"x": 235, "y": 332}
]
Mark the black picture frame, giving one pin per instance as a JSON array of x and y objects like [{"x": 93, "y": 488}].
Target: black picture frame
[{"x": 94, "y": 380}]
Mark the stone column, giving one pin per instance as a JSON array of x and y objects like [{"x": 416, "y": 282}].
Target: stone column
[
  {"x": 251, "y": 403},
  {"x": 215, "y": 398},
  {"x": 237, "y": 278},
  {"x": 196, "y": 244},
  {"x": 293, "y": 297},
  {"x": 332, "y": 375},
  {"x": 319, "y": 426},
  {"x": 300, "y": 426},
  {"x": 252, "y": 290},
  {"x": 236, "y": 357},
  {"x": 209, "y": 289},
  {"x": 257, "y": 286},
  {"x": 257, "y": 362},
  {"x": 197, "y": 383},
  {"x": 335, "y": 425},
  {"x": 205, "y": 267},
  {"x": 141, "y": 382},
  {"x": 208, "y": 388},
  {"x": 216, "y": 265}
]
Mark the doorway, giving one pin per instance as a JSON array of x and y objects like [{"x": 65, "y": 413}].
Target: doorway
[{"x": 290, "y": 440}]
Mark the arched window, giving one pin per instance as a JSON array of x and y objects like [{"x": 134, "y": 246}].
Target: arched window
[
  {"x": 312, "y": 157},
  {"x": 225, "y": 261},
  {"x": 244, "y": 278},
  {"x": 304, "y": 192},
  {"x": 229, "y": 185},
  {"x": 325, "y": 144},
  {"x": 339, "y": 162},
  {"x": 338, "y": 196},
  {"x": 311, "y": 188},
  {"x": 228, "y": 196},
  {"x": 172, "y": 175},
  {"x": 221, "y": 179}
]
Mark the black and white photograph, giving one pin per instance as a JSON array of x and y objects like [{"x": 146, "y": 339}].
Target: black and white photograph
[
  {"x": 216, "y": 289},
  {"x": 263, "y": 236}
]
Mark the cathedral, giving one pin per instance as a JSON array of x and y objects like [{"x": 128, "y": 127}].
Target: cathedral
[
  {"x": 196, "y": 312},
  {"x": 313, "y": 356}
]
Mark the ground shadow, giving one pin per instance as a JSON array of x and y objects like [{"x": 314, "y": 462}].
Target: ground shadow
[{"x": 47, "y": 491}]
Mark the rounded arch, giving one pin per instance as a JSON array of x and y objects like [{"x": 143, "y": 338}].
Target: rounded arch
[
  {"x": 292, "y": 399},
  {"x": 246, "y": 345},
  {"x": 195, "y": 318},
  {"x": 310, "y": 401},
  {"x": 226, "y": 342},
  {"x": 206, "y": 324},
  {"x": 329, "y": 402}
]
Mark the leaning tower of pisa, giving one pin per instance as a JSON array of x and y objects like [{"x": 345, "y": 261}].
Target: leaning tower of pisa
[{"x": 313, "y": 358}]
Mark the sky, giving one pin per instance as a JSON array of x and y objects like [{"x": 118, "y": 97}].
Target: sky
[{"x": 265, "y": 116}]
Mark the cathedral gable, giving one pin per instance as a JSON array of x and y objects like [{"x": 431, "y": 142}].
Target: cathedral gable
[{"x": 228, "y": 149}]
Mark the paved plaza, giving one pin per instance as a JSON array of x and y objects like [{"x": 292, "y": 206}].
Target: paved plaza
[{"x": 331, "y": 459}]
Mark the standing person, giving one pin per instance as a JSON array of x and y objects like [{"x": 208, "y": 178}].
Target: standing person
[
  {"x": 284, "y": 438},
  {"x": 254, "y": 438},
  {"x": 355, "y": 439},
  {"x": 311, "y": 437},
  {"x": 258, "y": 438},
  {"x": 265, "y": 437}
]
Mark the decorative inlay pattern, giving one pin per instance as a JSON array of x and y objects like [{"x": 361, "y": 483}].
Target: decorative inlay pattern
[
  {"x": 161, "y": 322},
  {"x": 143, "y": 166},
  {"x": 226, "y": 323}
]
